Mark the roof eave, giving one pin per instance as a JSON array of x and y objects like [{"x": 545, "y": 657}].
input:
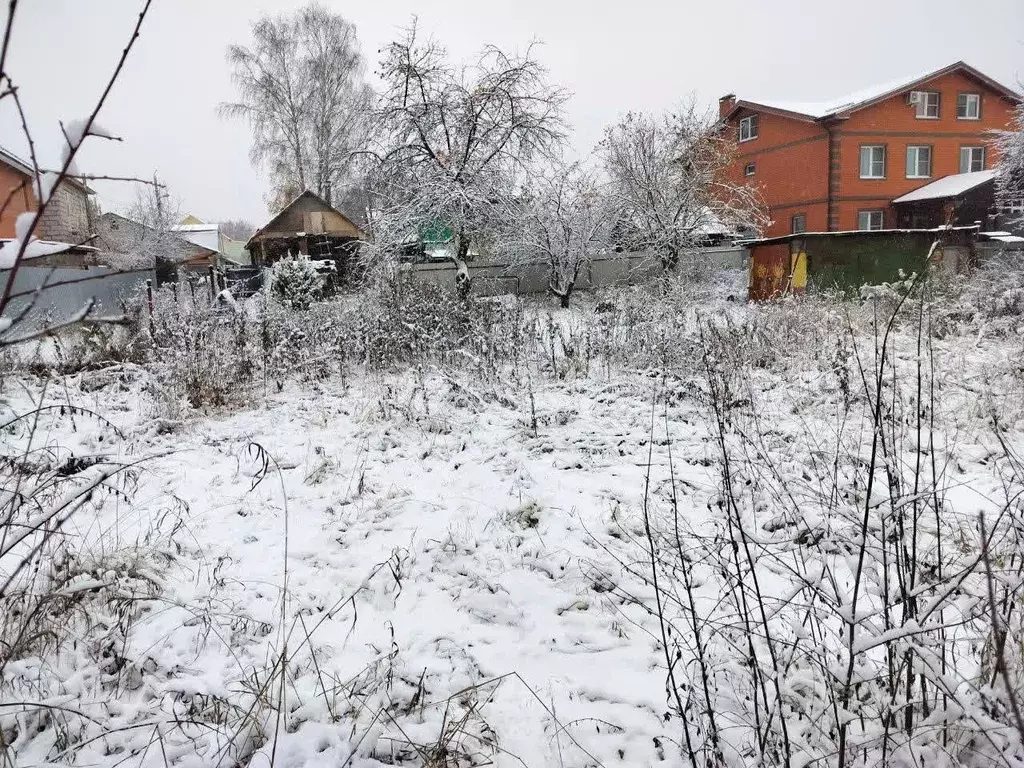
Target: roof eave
[{"x": 757, "y": 107}]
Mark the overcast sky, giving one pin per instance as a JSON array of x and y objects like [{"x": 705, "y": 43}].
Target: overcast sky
[{"x": 613, "y": 56}]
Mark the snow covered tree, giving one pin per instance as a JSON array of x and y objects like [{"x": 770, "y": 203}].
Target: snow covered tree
[
  {"x": 296, "y": 283},
  {"x": 301, "y": 88},
  {"x": 454, "y": 143},
  {"x": 668, "y": 176},
  {"x": 238, "y": 229},
  {"x": 1010, "y": 183},
  {"x": 563, "y": 219}
]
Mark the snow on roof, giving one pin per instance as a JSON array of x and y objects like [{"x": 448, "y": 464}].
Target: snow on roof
[
  {"x": 35, "y": 249},
  {"x": 854, "y": 233},
  {"x": 195, "y": 227},
  {"x": 204, "y": 235},
  {"x": 820, "y": 109},
  {"x": 1002, "y": 237},
  {"x": 948, "y": 186}
]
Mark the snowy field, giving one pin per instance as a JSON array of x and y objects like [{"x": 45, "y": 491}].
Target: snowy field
[{"x": 423, "y": 566}]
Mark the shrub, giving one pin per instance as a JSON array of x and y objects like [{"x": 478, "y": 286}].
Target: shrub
[{"x": 296, "y": 283}]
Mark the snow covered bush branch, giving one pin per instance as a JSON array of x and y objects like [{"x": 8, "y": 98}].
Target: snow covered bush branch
[{"x": 1010, "y": 182}]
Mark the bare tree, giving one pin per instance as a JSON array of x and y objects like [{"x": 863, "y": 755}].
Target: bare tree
[
  {"x": 301, "y": 89},
  {"x": 564, "y": 219},
  {"x": 455, "y": 142},
  {"x": 1010, "y": 182},
  {"x": 238, "y": 229},
  {"x": 668, "y": 175}
]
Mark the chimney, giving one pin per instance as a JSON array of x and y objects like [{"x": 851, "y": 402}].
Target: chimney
[{"x": 725, "y": 104}]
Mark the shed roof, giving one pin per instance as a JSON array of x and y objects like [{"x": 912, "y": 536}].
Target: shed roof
[
  {"x": 269, "y": 226},
  {"x": 851, "y": 233},
  {"x": 948, "y": 186},
  {"x": 865, "y": 97}
]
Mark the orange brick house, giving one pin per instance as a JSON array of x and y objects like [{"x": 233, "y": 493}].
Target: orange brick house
[
  {"x": 839, "y": 165},
  {"x": 68, "y": 217}
]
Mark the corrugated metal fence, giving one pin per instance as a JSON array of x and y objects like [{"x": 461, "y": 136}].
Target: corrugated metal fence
[{"x": 64, "y": 292}]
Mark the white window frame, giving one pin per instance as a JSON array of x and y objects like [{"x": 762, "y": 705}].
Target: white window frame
[
  {"x": 751, "y": 124},
  {"x": 792, "y": 223},
  {"x": 915, "y": 150},
  {"x": 871, "y": 163},
  {"x": 749, "y": 169},
  {"x": 969, "y": 154},
  {"x": 922, "y": 101},
  {"x": 870, "y": 216},
  {"x": 977, "y": 106},
  {"x": 1013, "y": 205}
]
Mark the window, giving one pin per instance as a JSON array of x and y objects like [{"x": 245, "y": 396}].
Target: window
[
  {"x": 919, "y": 162},
  {"x": 749, "y": 169},
  {"x": 926, "y": 104},
  {"x": 972, "y": 159},
  {"x": 968, "y": 106},
  {"x": 748, "y": 128},
  {"x": 872, "y": 161},
  {"x": 798, "y": 224},
  {"x": 869, "y": 220}
]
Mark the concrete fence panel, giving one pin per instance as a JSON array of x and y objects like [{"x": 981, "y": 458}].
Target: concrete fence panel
[{"x": 606, "y": 270}]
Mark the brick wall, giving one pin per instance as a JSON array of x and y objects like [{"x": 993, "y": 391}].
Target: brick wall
[
  {"x": 790, "y": 160},
  {"x": 66, "y": 218},
  {"x": 21, "y": 202}
]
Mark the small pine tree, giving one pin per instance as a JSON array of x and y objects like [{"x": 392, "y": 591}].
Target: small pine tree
[{"x": 296, "y": 283}]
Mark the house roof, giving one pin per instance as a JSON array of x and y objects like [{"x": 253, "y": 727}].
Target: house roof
[
  {"x": 204, "y": 235},
  {"x": 865, "y": 97},
  {"x": 207, "y": 251},
  {"x": 948, "y": 186},
  {"x": 269, "y": 226},
  {"x": 12, "y": 160}
]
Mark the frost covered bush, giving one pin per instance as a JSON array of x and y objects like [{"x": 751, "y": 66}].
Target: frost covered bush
[
  {"x": 843, "y": 604},
  {"x": 202, "y": 355},
  {"x": 296, "y": 283}
]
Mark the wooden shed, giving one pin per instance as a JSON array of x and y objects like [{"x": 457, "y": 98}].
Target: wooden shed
[
  {"x": 844, "y": 261},
  {"x": 308, "y": 225}
]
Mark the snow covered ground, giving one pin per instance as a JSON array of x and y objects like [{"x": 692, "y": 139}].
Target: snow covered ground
[{"x": 445, "y": 572}]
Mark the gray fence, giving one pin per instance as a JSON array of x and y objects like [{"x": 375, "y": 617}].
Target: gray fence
[
  {"x": 64, "y": 292},
  {"x": 492, "y": 277}
]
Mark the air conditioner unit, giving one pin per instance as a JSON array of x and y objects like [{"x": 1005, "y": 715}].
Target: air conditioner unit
[{"x": 915, "y": 97}]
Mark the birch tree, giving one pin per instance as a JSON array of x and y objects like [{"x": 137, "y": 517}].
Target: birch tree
[
  {"x": 301, "y": 88},
  {"x": 563, "y": 221},
  {"x": 668, "y": 177},
  {"x": 455, "y": 142}
]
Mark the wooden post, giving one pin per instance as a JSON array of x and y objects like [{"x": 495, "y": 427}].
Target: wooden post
[
  {"x": 213, "y": 285},
  {"x": 149, "y": 302}
]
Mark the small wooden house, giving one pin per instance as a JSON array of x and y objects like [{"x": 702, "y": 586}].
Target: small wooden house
[{"x": 308, "y": 225}]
